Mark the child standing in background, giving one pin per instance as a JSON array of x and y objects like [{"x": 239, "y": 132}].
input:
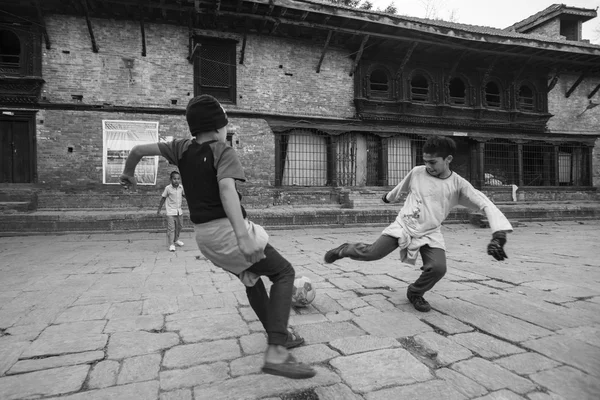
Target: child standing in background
[{"x": 172, "y": 197}]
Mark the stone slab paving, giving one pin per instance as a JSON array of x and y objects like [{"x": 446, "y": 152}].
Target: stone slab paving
[{"x": 114, "y": 316}]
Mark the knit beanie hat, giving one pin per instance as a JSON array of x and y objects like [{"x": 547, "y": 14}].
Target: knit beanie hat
[{"x": 204, "y": 114}]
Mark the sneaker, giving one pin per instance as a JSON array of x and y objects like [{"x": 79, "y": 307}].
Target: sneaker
[
  {"x": 334, "y": 254},
  {"x": 172, "y": 247},
  {"x": 419, "y": 303},
  {"x": 179, "y": 243}
]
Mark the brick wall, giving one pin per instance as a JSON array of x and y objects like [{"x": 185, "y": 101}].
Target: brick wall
[
  {"x": 550, "y": 29},
  {"x": 277, "y": 76},
  {"x": 571, "y": 116}
]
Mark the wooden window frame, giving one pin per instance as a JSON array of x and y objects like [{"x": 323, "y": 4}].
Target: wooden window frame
[{"x": 225, "y": 94}]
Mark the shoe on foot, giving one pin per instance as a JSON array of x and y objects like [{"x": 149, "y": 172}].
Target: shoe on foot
[
  {"x": 179, "y": 243},
  {"x": 334, "y": 254},
  {"x": 290, "y": 368},
  {"x": 419, "y": 303},
  {"x": 293, "y": 340},
  {"x": 172, "y": 247}
]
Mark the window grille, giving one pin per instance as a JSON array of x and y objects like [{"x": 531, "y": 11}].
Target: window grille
[
  {"x": 457, "y": 92},
  {"x": 374, "y": 157},
  {"x": 403, "y": 153},
  {"x": 346, "y": 147},
  {"x": 419, "y": 88},
  {"x": 573, "y": 165},
  {"x": 492, "y": 95},
  {"x": 314, "y": 158},
  {"x": 538, "y": 165},
  {"x": 10, "y": 50},
  {"x": 525, "y": 98},
  {"x": 215, "y": 70},
  {"x": 501, "y": 164},
  {"x": 379, "y": 84},
  {"x": 304, "y": 158}
]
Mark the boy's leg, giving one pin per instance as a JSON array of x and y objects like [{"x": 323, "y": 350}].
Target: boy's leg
[
  {"x": 273, "y": 310},
  {"x": 434, "y": 268},
  {"x": 178, "y": 227},
  {"x": 383, "y": 246},
  {"x": 170, "y": 229}
]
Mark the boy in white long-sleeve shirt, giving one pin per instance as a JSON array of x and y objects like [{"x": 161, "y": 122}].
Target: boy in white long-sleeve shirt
[{"x": 432, "y": 191}]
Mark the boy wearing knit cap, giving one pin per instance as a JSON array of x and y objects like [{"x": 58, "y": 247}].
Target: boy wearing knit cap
[{"x": 209, "y": 169}]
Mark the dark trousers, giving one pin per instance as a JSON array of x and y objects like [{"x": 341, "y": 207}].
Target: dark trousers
[
  {"x": 273, "y": 310},
  {"x": 434, "y": 261}
]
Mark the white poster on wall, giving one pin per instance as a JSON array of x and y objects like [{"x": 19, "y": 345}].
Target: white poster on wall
[{"x": 119, "y": 137}]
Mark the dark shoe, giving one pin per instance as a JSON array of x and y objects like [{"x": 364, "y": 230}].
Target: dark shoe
[
  {"x": 290, "y": 369},
  {"x": 334, "y": 254},
  {"x": 293, "y": 341},
  {"x": 419, "y": 303}
]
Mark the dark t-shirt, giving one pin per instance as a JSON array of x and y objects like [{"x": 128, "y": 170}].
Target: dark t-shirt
[{"x": 202, "y": 166}]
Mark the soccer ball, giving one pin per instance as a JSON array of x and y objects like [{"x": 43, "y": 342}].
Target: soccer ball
[{"x": 303, "y": 292}]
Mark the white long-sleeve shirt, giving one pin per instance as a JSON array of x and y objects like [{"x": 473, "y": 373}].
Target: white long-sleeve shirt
[{"x": 428, "y": 203}]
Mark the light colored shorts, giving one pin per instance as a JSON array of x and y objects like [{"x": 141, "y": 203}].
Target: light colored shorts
[{"x": 217, "y": 242}]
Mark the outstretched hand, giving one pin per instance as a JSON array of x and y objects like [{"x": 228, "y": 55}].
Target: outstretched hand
[
  {"x": 128, "y": 181},
  {"x": 496, "y": 246}
]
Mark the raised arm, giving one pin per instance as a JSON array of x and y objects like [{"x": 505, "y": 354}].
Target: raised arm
[
  {"x": 499, "y": 224},
  {"x": 127, "y": 178}
]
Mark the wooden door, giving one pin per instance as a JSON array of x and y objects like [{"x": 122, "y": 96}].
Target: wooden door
[{"x": 15, "y": 151}]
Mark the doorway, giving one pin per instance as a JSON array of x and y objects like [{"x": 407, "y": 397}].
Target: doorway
[{"x": 17, "y": 148}]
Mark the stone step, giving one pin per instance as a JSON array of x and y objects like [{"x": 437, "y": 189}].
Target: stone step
[
  {"x": 15, "y": 206},
  {"x": 52, "y": 222}
]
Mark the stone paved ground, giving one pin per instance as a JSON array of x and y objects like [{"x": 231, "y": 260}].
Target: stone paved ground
[{"x": 116, "y": 316}]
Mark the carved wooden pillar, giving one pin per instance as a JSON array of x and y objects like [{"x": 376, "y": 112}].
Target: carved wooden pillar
[
  {"x": 384, "y": 160},
  {"x": 334, "y": 164},
  {"x": 479, "y": 176},
  {"x": 589, "y": 151},
  {"x": 556, "y": 166},
  {"x": 520, "y": 160}
]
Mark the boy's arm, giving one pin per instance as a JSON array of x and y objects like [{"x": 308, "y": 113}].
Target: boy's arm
[
  {"x": 403, "y": 187},
  {"x": 499, "y": 224},
  {"x": 160, "y": 205},
  {"x": 231, "y": 203},
  {"x": 127, "y": 178}
]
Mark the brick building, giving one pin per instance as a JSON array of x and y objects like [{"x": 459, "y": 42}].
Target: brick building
[{"x": 320, "y": 97}]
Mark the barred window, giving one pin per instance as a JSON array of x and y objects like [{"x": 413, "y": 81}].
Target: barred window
[
  {"x": 457, "y": 91},
  {"x": 10, "y": 50},
  {"x": 379, "y": 84},
  {"x": 501, "y": 164},
  {"x": 215, "y": 69},
  {"x": 525, "y": 98},
  {"x": 419, "y": 88},
  {"x": 492, "y": 95},
  {"x": 314, "y": 158}
]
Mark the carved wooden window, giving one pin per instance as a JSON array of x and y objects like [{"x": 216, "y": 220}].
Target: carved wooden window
[
  {"x": 526, "y": 98},
  {"x": 419, "y": 88},
  {"x": 493, "y": 97},
  {"x": 379, "y": 84},
  {"x": 215, "y": 69},
  {"x": 10, "y": 52},
  {"x": 457, "y": 92}
]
